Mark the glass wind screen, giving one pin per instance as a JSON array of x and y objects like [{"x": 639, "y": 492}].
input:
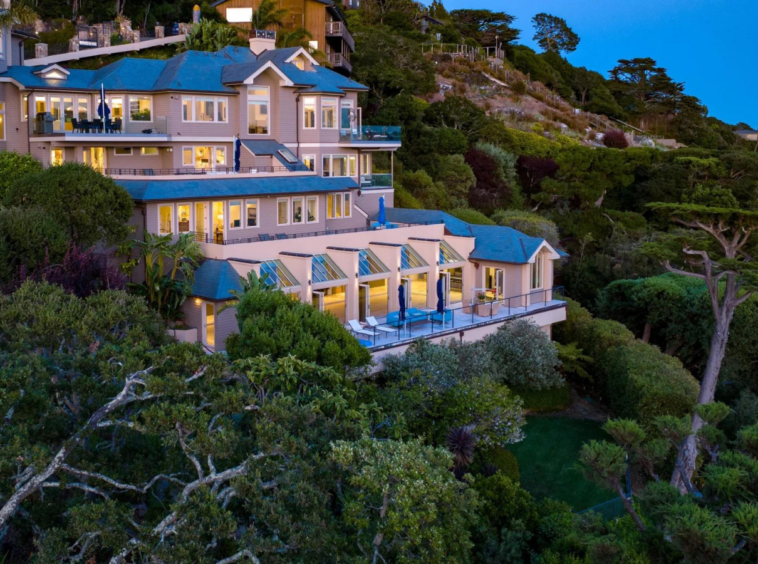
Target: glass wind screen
[
  {"x": 278, "y": 274},
  {"x": 449, "y": 254},
  {"x": 324, "y": 270},
  {"x": 369, "y": 263},
  {"x": 409, "y": 258}
]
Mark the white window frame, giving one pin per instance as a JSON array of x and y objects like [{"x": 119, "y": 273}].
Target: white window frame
[
  {"x": 307, "y": 201},
  {"x": 2, "y": 41},
  {"x": 216, "y": 100},
  {"x": 332, "y": 103},
  {"x": 129, "y": 154},
  {"x": 144, "y": 154},
  {"x": 315, "y": 111},
  {"x": 257, "y": 203},
  {"x": 331, "y": 158},
  {"x": 242, "y": 206},
  {"x": 537, "y": 270},
  {"x": 352, "y": 166},
  {"x": 213, "y": 150},
  {"x": 304, "y": 211},
  {"x": 191, "y": 217},
  {"x": 347, "y": 204},
  {"x": 365, "y": 163},
  {"x": 173, "y": 218},
  {"x": 24, "y": 107},
  {"x": 257, "y": 99},
  {"x": 312, "y": 158},
  {"x": 150, "y": 98},
  {"x": 287, "y": 201}
]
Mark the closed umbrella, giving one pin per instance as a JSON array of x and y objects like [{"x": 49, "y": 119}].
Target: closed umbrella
[
  {"x": 440, "y": 297},
  {"x": 237, "y": 151},
  {"x": 382, "y": 218},
  {"x": 103, "y": 110},
  {"x": 401, "y": 297}
]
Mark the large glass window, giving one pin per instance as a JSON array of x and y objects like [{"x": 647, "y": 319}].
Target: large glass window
[
  {"x": 339, "y": 165},
  {"x": 204, "y": 109},
  {"x": 166, "y": 219},
  {"x": 312, "y": 209},
  {"x": 140, "y": 108},
  {"x": 220, "y": 109},
  {"x": 183, "y": 218},
  {"x": 309, "y": 113},
  {"x": 346, "y": 114},
  {"x": 257, "y": 110},
  {"x": 297, "y": 210},
  {"x": 204, "y": 157},
  {"x": 252, "y": 213},
  {"x": 68, "y": 114},
  {"x": 329, "y": 113},
  {"x": 56, "y": 156},
  {"x": 338, "y": 206},
  {"x": 235, "y": 214},
  {"x": 117, "y": 108},
  {"x": 82, "y": 109},
  {"x": 282, "y": 213},
  {"x": 218, "y": 222},
  {"x": 348, "y": 205},
  {"x": 310, "y": 161},
  {"x": 537, "y": 268}
]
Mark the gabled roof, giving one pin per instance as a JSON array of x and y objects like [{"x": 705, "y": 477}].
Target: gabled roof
[
  {"x": 195, "y": 71},
  {"x": 493, "y": 242},
  {"x": 174, "y": 189},
  {"x": 215, "y": 279}
]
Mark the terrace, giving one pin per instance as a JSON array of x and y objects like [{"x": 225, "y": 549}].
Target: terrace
[
  {"x": 467, "y": 321},
  {"x": 373, "y": 135}
]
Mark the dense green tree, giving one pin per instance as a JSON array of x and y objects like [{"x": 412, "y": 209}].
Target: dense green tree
[
  {"x": 457, "y": 178},
  {"x": 28, "y": 239},
  {"x": 13, "y": 166},
  {"x": 91, "y": 207},
  {"x": 553, "y": 33},
  {"x": 485, "y": 26}
]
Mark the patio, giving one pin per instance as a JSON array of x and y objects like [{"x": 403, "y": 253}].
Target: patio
[{"x": 428, "y": 324}]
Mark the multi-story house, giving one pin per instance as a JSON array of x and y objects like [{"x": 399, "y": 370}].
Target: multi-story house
[
  {"x": 323, "y": 19},
  {"x": 262, "y": 155}
]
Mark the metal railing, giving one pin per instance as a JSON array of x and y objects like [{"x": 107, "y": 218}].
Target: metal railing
[
  {"x": 382, "y": 180},
  {"x": 339, "y": 29},
  {"x": 262, "y": 34},
  {"x": 219, "y": 239},
  {"x": 372, "y": 134},
  {"x": 457, "y": 317},
  {"x": 210, "y": 171},
  {"x": 340, "y": 60}
]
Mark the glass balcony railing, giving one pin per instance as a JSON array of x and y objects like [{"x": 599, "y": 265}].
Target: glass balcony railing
[
  {"x": 383, "y": 180},
  {"x": 371, "y": 134}
]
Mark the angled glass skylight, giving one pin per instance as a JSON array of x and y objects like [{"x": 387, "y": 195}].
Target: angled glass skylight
[
  {"x": 369, "y": 264},
  {"x": 278, "y": 274},
  {"x": 409, "y": 258},
  {"x": 449, "y": 254},
  {"x": 325, "y": 270},
  {"x": 288, "y": 155}
]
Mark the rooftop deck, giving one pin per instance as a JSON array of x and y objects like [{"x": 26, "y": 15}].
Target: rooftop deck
[{"x": 481, "y": 319}]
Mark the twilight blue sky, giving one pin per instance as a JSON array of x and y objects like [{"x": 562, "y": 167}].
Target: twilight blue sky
[{"x": 710, "y": 45}]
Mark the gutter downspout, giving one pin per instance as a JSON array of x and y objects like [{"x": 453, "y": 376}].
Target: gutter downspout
[{"x": 297, "y": 124}]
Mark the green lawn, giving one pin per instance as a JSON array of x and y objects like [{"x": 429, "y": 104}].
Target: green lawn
[{"x": 548, "y": 460}]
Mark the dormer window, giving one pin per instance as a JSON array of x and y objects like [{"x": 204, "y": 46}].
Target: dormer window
[
  {"x": 299, "y": 63},
  {"x": 53, "y": 72}
]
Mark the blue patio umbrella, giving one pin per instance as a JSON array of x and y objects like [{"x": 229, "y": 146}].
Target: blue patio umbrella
[
  {"x": 401, "y": 297},
  {"x": 440, "y": 297},
  {"x": 102, "y": 109},
  {"x": 382, "y": 217},
  {"x": 237, "y": 155}
]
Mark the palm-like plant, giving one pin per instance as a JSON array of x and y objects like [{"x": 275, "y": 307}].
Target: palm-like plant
[
  {"x": 207, "y": 35},
  {"x": 18, "y": 13},
  {"x": 461, "y": 442},
  {"x": 268, "y": 15}
]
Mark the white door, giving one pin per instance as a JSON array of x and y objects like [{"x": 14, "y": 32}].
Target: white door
[
  {"x": 445, "y": 276},
  {"x": 499, "y": 284},
  {"x": 364, "y": 301},
  {"x": 318, "y": 300},
  {"x": 406, "y": 282}
]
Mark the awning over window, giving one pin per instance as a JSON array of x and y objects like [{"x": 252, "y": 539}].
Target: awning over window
[
  {"x": 449, "y": 254},
  {"x": 278, "y": 274}
]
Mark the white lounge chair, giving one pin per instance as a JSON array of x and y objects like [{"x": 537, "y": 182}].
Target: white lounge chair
[
  {"x": 376, "y": 326},
  {"x": 359, "y": 329}
]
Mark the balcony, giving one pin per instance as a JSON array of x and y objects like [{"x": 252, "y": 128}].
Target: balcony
[
  {"x": 383, "y": 180},
  {"x": 339, "y": 61},
  {"x": 377, "y": 135},
  {"x": 72, "y": 129},
  {"x": 339, "y": 29},
  {"x": 484, "y": 318},
  {"x": 219, "y": 170}
]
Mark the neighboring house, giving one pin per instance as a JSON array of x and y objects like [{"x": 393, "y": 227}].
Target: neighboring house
[
  {"x": 322, "y": 18},
  {"x": 748, "y": 134},
  {"x": 260, "y": 153}
]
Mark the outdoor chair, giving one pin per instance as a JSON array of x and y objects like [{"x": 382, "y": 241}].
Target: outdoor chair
[
  {"x": 376, "y": 326},
  {"x": 265, "y": 237},
  {"x": 281, "y": 236},
  {"x": 358, "y": 329}
]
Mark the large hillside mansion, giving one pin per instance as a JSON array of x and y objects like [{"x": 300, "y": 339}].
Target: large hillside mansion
[{"x": 261, "y": 154}]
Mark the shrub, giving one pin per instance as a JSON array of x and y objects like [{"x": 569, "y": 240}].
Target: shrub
[
  {"x": 615, "y": 139},
  {"x": 552, "y": 399},
  {"x": 520, "y": 88},
  {"x": 404, "y": 199},
  {"x": 13, "y": 166},
  {"x": 528, "y": 223},
  {"x": 523, "y": 356},
  {"x": 472, "y": 216},
  {"x": 272, "y": 323},
  {"x": 504, "y": 501},
  {"x": 28, "y": 239},
  {"x": 497, "y": 458},
  {"x": 518, "y": 142}
]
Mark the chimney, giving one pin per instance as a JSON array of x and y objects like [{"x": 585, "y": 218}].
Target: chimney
[{"x": 262, "y": 40}]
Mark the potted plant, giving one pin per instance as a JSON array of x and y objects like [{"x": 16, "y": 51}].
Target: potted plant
[{"x": 486, "y": 306}]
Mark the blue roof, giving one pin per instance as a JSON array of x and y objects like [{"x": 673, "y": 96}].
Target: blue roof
[
  {"x": 196, "y": 71},
  {"x": 168, "y": 190},
  {"x": 215, "y": 279},
  {"x": 265, "y": 148},
  {"x": 493, "y": 242}
]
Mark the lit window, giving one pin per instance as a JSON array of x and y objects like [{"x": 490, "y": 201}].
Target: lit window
[
  {"x": 150, "y": 151},
  {"x": 252, "y": 213},
  {"x": 204, "y": 109},
  {"x": 203, "y": 157},
  {"x": 235, "y": 214},
  {"x": 337, "y": 165},
  {"x": 536, "y": 269},
  {"x": 166, "y": 219},
  {"x": 365, "y": 163},
  {"x": 25, "y": 106},
  {"x": 329, "y": 113},
  {"x": 312, "y": 209},
  {"x": 282, "y": 211},
  {"x": 82, "y": 109},
  {"x": 309, "y": 113},
  {"x": 297, "y": 210},
  {"x": 183, "y": 216},
  {"x": 220, "y": 155},
  {"x": 257, "y": 110},
  {"x": 310, "y": 161},
  {"x": 351, "y": 161},
  {"x": 326, "y": 165},
  {"x": 123, "y": 151},
  {"x": 334, "y": 206},
  {"x": 187, "y": 109},
  {"x": 299, "y": 63},
  {"x": 56, "y": 156},
  {"x": 2, "y": 121},
  {"x": 348, "y": 206},
  {"x": 140, "y": 108},
  {"x": 220, "y": 109}
]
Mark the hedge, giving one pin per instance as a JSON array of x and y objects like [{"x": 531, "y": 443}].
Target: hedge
[
  {"x": 502, "y": 459},
  {"x": 556, "y": 398},
  {"x": 635, "y": 379}
]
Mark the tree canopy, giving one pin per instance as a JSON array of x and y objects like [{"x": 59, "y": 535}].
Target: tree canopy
[{"x": 553, "y": 33}]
